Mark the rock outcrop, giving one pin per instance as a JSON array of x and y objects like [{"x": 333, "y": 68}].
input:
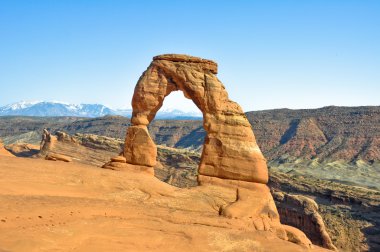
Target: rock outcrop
[
  {"x": 23, "y": 149},
  {"x": 83, "y": 148},
  {"x": 254, "y": 206},
  {"x": 230, "y": 150},
  {"x": 302, "y": 212}
]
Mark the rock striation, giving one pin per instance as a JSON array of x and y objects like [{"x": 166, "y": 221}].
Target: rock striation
[{"x": 230, "y": 150}]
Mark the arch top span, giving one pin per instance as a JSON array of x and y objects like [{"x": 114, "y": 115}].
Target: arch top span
[
  {"x": 207, "y": 64},
  {"x": 230, "y": 150}
]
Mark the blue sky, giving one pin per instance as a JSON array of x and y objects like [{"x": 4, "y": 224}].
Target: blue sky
[{"x": 271, "y": 54}]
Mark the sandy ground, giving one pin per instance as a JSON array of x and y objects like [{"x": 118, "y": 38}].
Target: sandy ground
[
  {"x": 4, "y": 152},
  {"x": 57, "y": 206}
]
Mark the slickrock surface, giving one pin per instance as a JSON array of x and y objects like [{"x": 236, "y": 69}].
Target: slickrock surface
[
  {"x": 71, "y": 206},
  {"x": 178, "y": 167},
  {"x": 3, "y": 151},
  {"x": 351, "y": 213},
  {"x": 253, "y": 205},
  {"x": 230, "y": 150}
]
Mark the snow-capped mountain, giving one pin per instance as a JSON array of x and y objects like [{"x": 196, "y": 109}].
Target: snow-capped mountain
[
  {"x": 55, "y": 109},
  {"x": 18, "y": 105},
  {"x": 170, "y": 113},
  {"x": 43, "y": 108}
]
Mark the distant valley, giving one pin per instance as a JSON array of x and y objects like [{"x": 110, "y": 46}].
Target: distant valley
[{"x": 330, "y": 133}]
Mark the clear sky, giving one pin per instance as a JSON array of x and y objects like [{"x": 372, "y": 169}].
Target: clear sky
[{"x": 271, "y": 54}]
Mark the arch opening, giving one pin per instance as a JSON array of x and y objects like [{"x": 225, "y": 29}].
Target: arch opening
[
  {"x": 178, "y": 160},
  {"x": 179, "y": 106}
]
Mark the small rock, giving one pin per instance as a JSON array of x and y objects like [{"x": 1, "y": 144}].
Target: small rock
[
  {"x": 119, "y": 159},
  {"x": 59, "y": 157}
]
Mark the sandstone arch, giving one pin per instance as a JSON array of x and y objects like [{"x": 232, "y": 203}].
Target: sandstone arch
[{"x": 230, "y": 150}]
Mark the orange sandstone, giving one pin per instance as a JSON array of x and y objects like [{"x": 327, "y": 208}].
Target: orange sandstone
[{"x": 230, "y": 150}]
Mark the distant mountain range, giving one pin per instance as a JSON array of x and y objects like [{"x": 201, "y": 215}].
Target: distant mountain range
[
  {"x": 43, "y": 108},
  {"x": 285, "y": 136}
]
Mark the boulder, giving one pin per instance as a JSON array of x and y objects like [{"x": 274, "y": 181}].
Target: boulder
[
  {"x": 119, "y": 159},
  {"x": 58, "y": 157}
]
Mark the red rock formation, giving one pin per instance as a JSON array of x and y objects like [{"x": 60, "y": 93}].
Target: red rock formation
[
  {"x": 231, "y": 157},
  {"x": 230, "y": 150},
  {"x": 82, "y": 148}
]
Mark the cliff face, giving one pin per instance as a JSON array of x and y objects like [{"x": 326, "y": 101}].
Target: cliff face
[
  {"x": 329, "y": 133},
  {"x": 302, "y": 212}
]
